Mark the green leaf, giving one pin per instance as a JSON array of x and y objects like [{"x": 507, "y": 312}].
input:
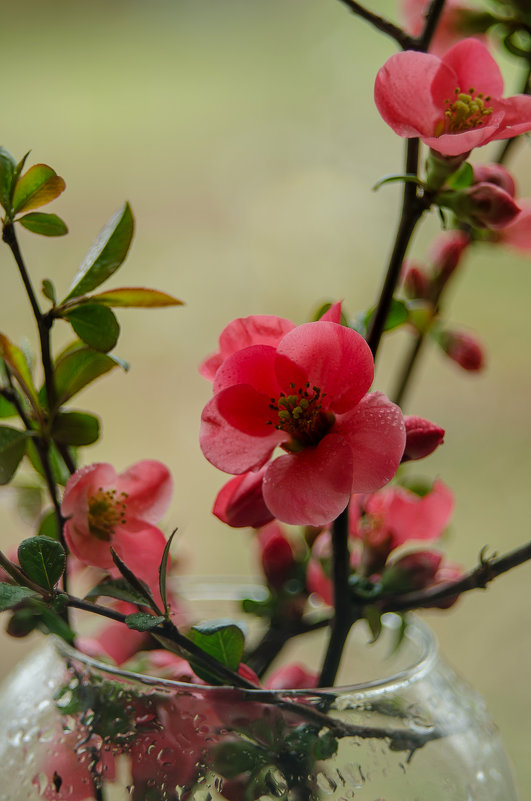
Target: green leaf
[
  {"x": 163, "y": 571},
  {"x": 48, "y": 290},
  {"x": 12, "y": 449},
  {"x": 60, "y": 472},
  {"x": 134, "y": 582},
  {"x": 11, "y": 595},
  {"x": 6, "y": 408},
  {"x": 76, "y": 428},
  {"x": 38, "y": 186},
  {"x": 44, "y": 224},
  {"x": 17, "y": 362},
  {"x": 397, "y": 316},
  {"x": 410, "y": 178},
  {"x": 78, "y": 368},
  {"x": 117, "y": 588},
  {"x": 230, "y": 759},
  {"x": 48, "y": 526},
  {"x": 462, "y": 178},
  {"x": 106, "y": 254},
  {"x": 142, "y": 621},
  {"x": 222, "y": 639},
  {"x": 43, "y": 560},
  {"x": 136, "y": 297},
  {"x": 52, "y": 623},
  {"x": 95, "y": 324},
  {"x": 7, "y": 171}
]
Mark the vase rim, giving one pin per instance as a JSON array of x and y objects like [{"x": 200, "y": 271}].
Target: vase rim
[{"x": 230, "y": 588}]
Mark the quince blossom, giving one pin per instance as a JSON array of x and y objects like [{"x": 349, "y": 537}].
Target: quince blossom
[
  {"x": 453, "y": 103},
  {"x": 309, "y": 396},
  {"x": 104, "y": 509}
]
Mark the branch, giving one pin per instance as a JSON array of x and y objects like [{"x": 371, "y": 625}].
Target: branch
[
  {"x": 402, "y": 38},
  {"x": 483, "y": 574}
]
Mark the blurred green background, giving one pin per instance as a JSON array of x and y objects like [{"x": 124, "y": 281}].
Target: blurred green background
[{"x": 245, "y": 138}]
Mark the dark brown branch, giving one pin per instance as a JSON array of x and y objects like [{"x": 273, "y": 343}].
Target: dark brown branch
[
  {"x": 479, "y": 578},
  {"x": 405, "y": 41}
]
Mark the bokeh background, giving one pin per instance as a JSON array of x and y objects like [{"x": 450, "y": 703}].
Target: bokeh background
[{"x": 245, "y": 137}]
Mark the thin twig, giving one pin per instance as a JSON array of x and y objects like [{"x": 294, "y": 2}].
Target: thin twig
[
  {"x": 402, "y": 38},
  {"x": 478, "y": 578}
]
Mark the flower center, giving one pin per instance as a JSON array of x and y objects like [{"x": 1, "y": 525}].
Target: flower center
[
  {"x": 105, "y": 512},
  {"x": 302, "y": 417},
  {"x": 464, "y": 112}
]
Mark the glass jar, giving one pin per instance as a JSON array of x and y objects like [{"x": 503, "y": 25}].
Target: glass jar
[{"x": 73, "y": 729}]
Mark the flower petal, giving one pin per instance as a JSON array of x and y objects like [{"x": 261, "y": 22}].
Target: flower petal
[
  {"x": 410, "y": 517},
  {"x": 229, "y": 448},
  {"x": 517, "y": 116},
  {"x": 149, "y": 486},
  {"x": 474, "y": 67},
  {"x": 141, "y": 547},
  {"x": 402, "y": 92},
  {"x": 330, "y": 356},
  {"x": 376, "y": 433},
  {"x": 84, "y": 483},
  {"x": 254, "y": 366},
  {"x": 311, "y": 487}
]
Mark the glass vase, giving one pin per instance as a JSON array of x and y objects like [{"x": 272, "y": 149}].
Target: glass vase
[{"x": 405, "y": 728}]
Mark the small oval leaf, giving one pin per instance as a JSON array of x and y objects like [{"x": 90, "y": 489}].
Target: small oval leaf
[
  {"x": 12, "y": 449},
  {"x": 11, "y": 595},
  {"x": 96, "y": 325},
  {"x": 79, "y": 367},
  {"x": 142, "y": 621},
  {"x": 38, "y": 186},
  {"x": 45, "y": 224},
  {"x": 7, "y": 171},
  {"x": 106, "y": 254},
  {"x": 222, "y": 639},
  {"x": 76, "y": 428},
  {"x": 43, "y": 560},
  {"x": 16, "y": 360}
]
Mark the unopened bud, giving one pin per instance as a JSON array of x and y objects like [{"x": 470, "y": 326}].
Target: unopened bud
[
  {"x": 277, "y": 557},
  {"x": 445, "y": 253},
  {"x": 495, "y": 174},
  {"x": 422, "y": 437},
  {"x": 416, "y": 282},
  {"x": 240, "y": 502},
  {"x": 463, "y": 349},
  {"x": 482, "y": 205},
  {"x": 413, "y": 571}
]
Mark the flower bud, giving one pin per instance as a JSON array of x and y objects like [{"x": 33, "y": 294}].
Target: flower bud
[
  {"x": 416, "y": 282},
  {"x": 276, "y": 555},
  {"x": 445, "y": 253},
  {"x": 240, "y": 502},
  {"x": 422, "y": 437},
  {"x": 482, "y": 205},
  {"x": 413, "y": 571},
  {"x": 463, "y": 349},
  {"x": 495, "y": 174}
]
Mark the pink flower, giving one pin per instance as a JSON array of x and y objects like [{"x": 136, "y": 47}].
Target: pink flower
[
  {"x": 422, "y": 438},
  {"x": 517, "y": 234},
  {"x": 309, "y": 396},
  {"x": 257, "y": 329},
  {"x": 105, "y": 509},
  {"x": 240, "y": 502},
  {"x": 397, "y": 515},
  {"x": 453, "y": 103},
  {"x": 452, "y": 23}
]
